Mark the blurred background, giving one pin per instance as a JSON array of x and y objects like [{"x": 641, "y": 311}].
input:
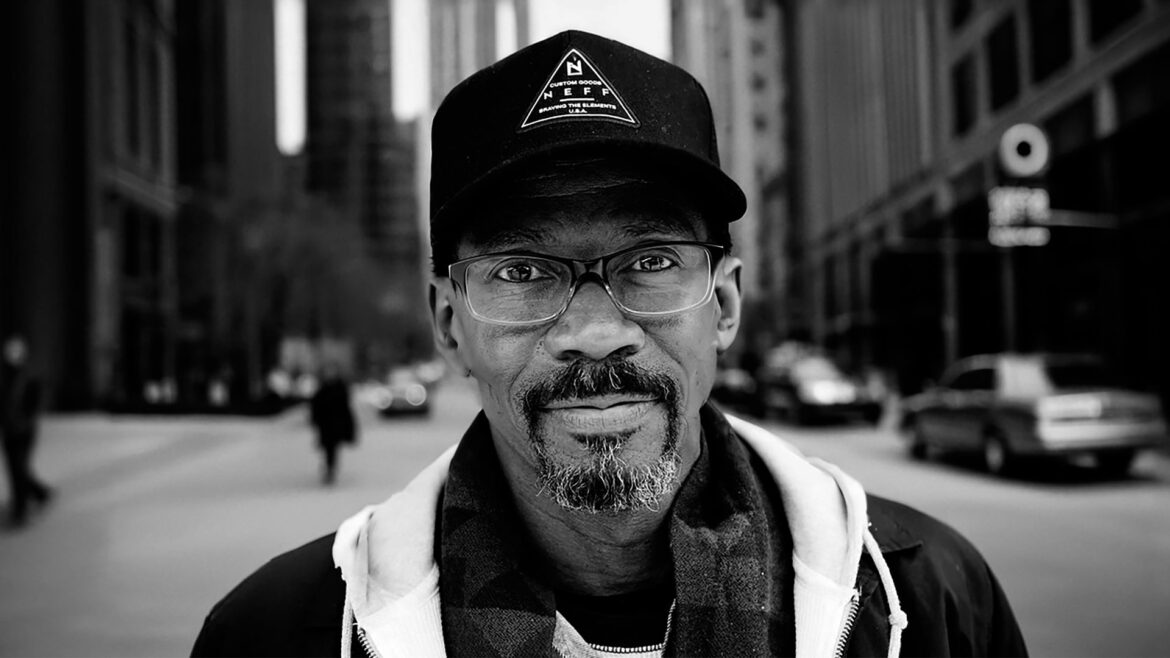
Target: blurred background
[{"x": 206, "y": 202}]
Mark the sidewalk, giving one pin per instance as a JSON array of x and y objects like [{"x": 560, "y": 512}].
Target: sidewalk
[
  {"x": 81, "y": 448},
  {"x": 156, "y": 518}
]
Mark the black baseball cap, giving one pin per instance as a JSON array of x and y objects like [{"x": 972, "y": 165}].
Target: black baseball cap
[{"x": 573, "y": 94}]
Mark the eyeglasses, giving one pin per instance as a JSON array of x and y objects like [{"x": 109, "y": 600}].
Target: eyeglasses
[{"x": 646, "y": 280}]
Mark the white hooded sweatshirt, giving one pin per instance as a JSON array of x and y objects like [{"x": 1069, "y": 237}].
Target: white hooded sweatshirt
[{"x": 392, "y": 581}]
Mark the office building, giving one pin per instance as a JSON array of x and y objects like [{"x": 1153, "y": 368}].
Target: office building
[
  {"x": 90, "y": 198},
  {"x": 902, "y": 109}
]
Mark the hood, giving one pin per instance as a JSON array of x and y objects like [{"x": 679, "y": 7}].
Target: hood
[
  {"x": 827, "y": 517},
  {"x": 386, "y": 556}
]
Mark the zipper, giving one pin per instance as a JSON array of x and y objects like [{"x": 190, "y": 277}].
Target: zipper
[
  {"x": 847, "y": 626},
  {"x": 367, "y": 644}
]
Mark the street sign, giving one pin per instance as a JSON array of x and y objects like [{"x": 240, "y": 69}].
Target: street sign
[
  {"x": 1018, "y": 236},
  {"x": 1014, "y": 212},
  {"x": 1023, "y": 150},
  {"x": 1009, "y": 206}
]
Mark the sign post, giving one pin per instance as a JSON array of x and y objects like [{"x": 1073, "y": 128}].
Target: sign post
[{"x": 1018, "y": 214}]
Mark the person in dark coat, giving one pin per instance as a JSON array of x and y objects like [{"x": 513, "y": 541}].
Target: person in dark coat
[
  {"x": 20, "y": 396},
  {"x": 331, "y": 414}
]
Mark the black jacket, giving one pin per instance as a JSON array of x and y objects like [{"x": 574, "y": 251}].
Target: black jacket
[{"x": 292, "y": 606}]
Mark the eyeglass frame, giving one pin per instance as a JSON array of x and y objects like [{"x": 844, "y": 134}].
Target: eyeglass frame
[{"x": 457, "y": 272}]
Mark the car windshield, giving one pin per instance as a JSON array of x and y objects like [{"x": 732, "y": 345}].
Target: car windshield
[
  {"x": 1035, "y": 377},
  {"x": 1084, "y": 374},
  {"x": 815, "y": 368}
]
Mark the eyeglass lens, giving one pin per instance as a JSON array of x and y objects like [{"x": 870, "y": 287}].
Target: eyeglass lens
[{"x": 654, "y": 279}]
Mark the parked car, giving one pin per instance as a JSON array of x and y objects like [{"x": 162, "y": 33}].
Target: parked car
[
  {"x": 1007, "y": 407},
  {"x": 404, "y": 391},
  {"x": 803, "y": 386}
]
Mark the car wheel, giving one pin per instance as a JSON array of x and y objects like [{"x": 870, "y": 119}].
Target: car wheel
[
  {"x": 919, "y": 448},
  {"x": 996, "y": 456},
  {"x": 1115, "y": 463}
]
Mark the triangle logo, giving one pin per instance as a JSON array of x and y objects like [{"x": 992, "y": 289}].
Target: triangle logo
[{"x": 577, "y": 90}]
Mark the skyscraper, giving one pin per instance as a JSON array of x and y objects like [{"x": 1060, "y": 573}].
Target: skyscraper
[
  {"x": 735, "y": 49},
  {"x": 360, "y": 162}
]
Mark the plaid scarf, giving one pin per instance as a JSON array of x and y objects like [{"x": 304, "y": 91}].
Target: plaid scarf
[{"x": 729, "y": 541}]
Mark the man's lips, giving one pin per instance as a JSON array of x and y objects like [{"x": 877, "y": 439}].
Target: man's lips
[
  {"x": 604, "y": 414},
  {"x": 598, "y": 402}
]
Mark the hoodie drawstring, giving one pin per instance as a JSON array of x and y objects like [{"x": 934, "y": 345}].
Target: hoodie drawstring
[
  {"x": 898, "y": 620},
  {"x": 346, "y": 629}
]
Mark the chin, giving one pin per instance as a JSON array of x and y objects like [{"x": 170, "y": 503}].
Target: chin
[{"x": 609, "y": 472}]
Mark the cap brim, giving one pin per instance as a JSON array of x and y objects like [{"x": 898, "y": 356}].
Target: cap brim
[{"x": 720, "y": 197}]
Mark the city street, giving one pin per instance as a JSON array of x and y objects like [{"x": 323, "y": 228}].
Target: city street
[{"x": 157, "y": 517}]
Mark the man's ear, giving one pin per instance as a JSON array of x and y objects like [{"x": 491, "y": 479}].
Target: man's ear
[
  {"x": 444, "y": 325},
  {"x": 727, "y": 293}
]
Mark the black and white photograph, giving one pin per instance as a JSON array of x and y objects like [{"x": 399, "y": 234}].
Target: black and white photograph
[{"x": 585, "y": 328}]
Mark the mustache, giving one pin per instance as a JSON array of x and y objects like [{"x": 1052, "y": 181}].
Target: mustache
[{"x": 585, "y": 378}]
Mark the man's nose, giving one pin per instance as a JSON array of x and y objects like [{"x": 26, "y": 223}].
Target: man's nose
[{"x": 593, "y": 327}]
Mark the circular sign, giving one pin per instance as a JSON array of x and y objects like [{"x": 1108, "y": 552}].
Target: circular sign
[{"x": 1023, "y": 150}]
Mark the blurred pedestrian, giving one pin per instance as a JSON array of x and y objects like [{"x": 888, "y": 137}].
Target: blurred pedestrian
[
  {"x": 20, "y": 398},
  {"x": 332, "y": 415}
]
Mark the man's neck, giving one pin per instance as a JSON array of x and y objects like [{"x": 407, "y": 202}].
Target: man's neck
[{"x": 598, "y": 554}]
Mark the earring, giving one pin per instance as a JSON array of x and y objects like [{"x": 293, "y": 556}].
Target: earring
[{"x": 467, "y": 372}]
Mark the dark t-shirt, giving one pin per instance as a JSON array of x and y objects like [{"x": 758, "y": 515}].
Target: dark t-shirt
[{"x": 635, "y": 619}]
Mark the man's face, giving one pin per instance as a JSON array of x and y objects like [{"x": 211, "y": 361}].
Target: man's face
[{"x": 599, "y": 406}]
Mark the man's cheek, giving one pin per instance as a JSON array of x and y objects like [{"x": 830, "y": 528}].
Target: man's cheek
[{"x": 504, "y": 358}]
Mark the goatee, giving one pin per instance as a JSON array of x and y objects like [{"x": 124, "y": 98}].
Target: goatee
[{"x": 606, "y": 483}]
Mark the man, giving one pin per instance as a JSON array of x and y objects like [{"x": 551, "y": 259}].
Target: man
[
  {"x": 599, "y": 506},
  {"x": 20, "y": 396}
]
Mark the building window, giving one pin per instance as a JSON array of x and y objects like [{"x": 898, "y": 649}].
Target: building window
[
  {"x": 1143, "y": 114},
  {"x": 832, "y": 307},
  {"x": 969, "y": 185},
  {"x": 154, "y": 84},
  {"x": 1050, "y": 33},
  {"x": 964, "y": 95},
  {"x": 1072, "y": 127},
  {"x": 856, "y": 293},
  {"x": 1144, "y": 86},
  {"x": 132, "y": 95},
  {"x": 132, "y": 265},
  {"x": 1105, "y": 16},
  {"x": 960, "y": 11},
  {"x": 1003, "y": 56},
  {"x": 1080, "y": 176}
]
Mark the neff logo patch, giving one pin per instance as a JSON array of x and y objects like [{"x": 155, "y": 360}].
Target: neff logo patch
[{"x": 577, "y": 90}]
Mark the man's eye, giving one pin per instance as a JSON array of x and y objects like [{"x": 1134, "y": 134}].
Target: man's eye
[
  {"x": 653, "y": 263},
  {"x": 520, "y": 272}
]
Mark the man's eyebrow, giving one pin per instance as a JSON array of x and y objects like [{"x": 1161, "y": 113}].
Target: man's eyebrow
[
  {"x": 509, "y": 238},
  {"x": 656, "y": 227}
]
